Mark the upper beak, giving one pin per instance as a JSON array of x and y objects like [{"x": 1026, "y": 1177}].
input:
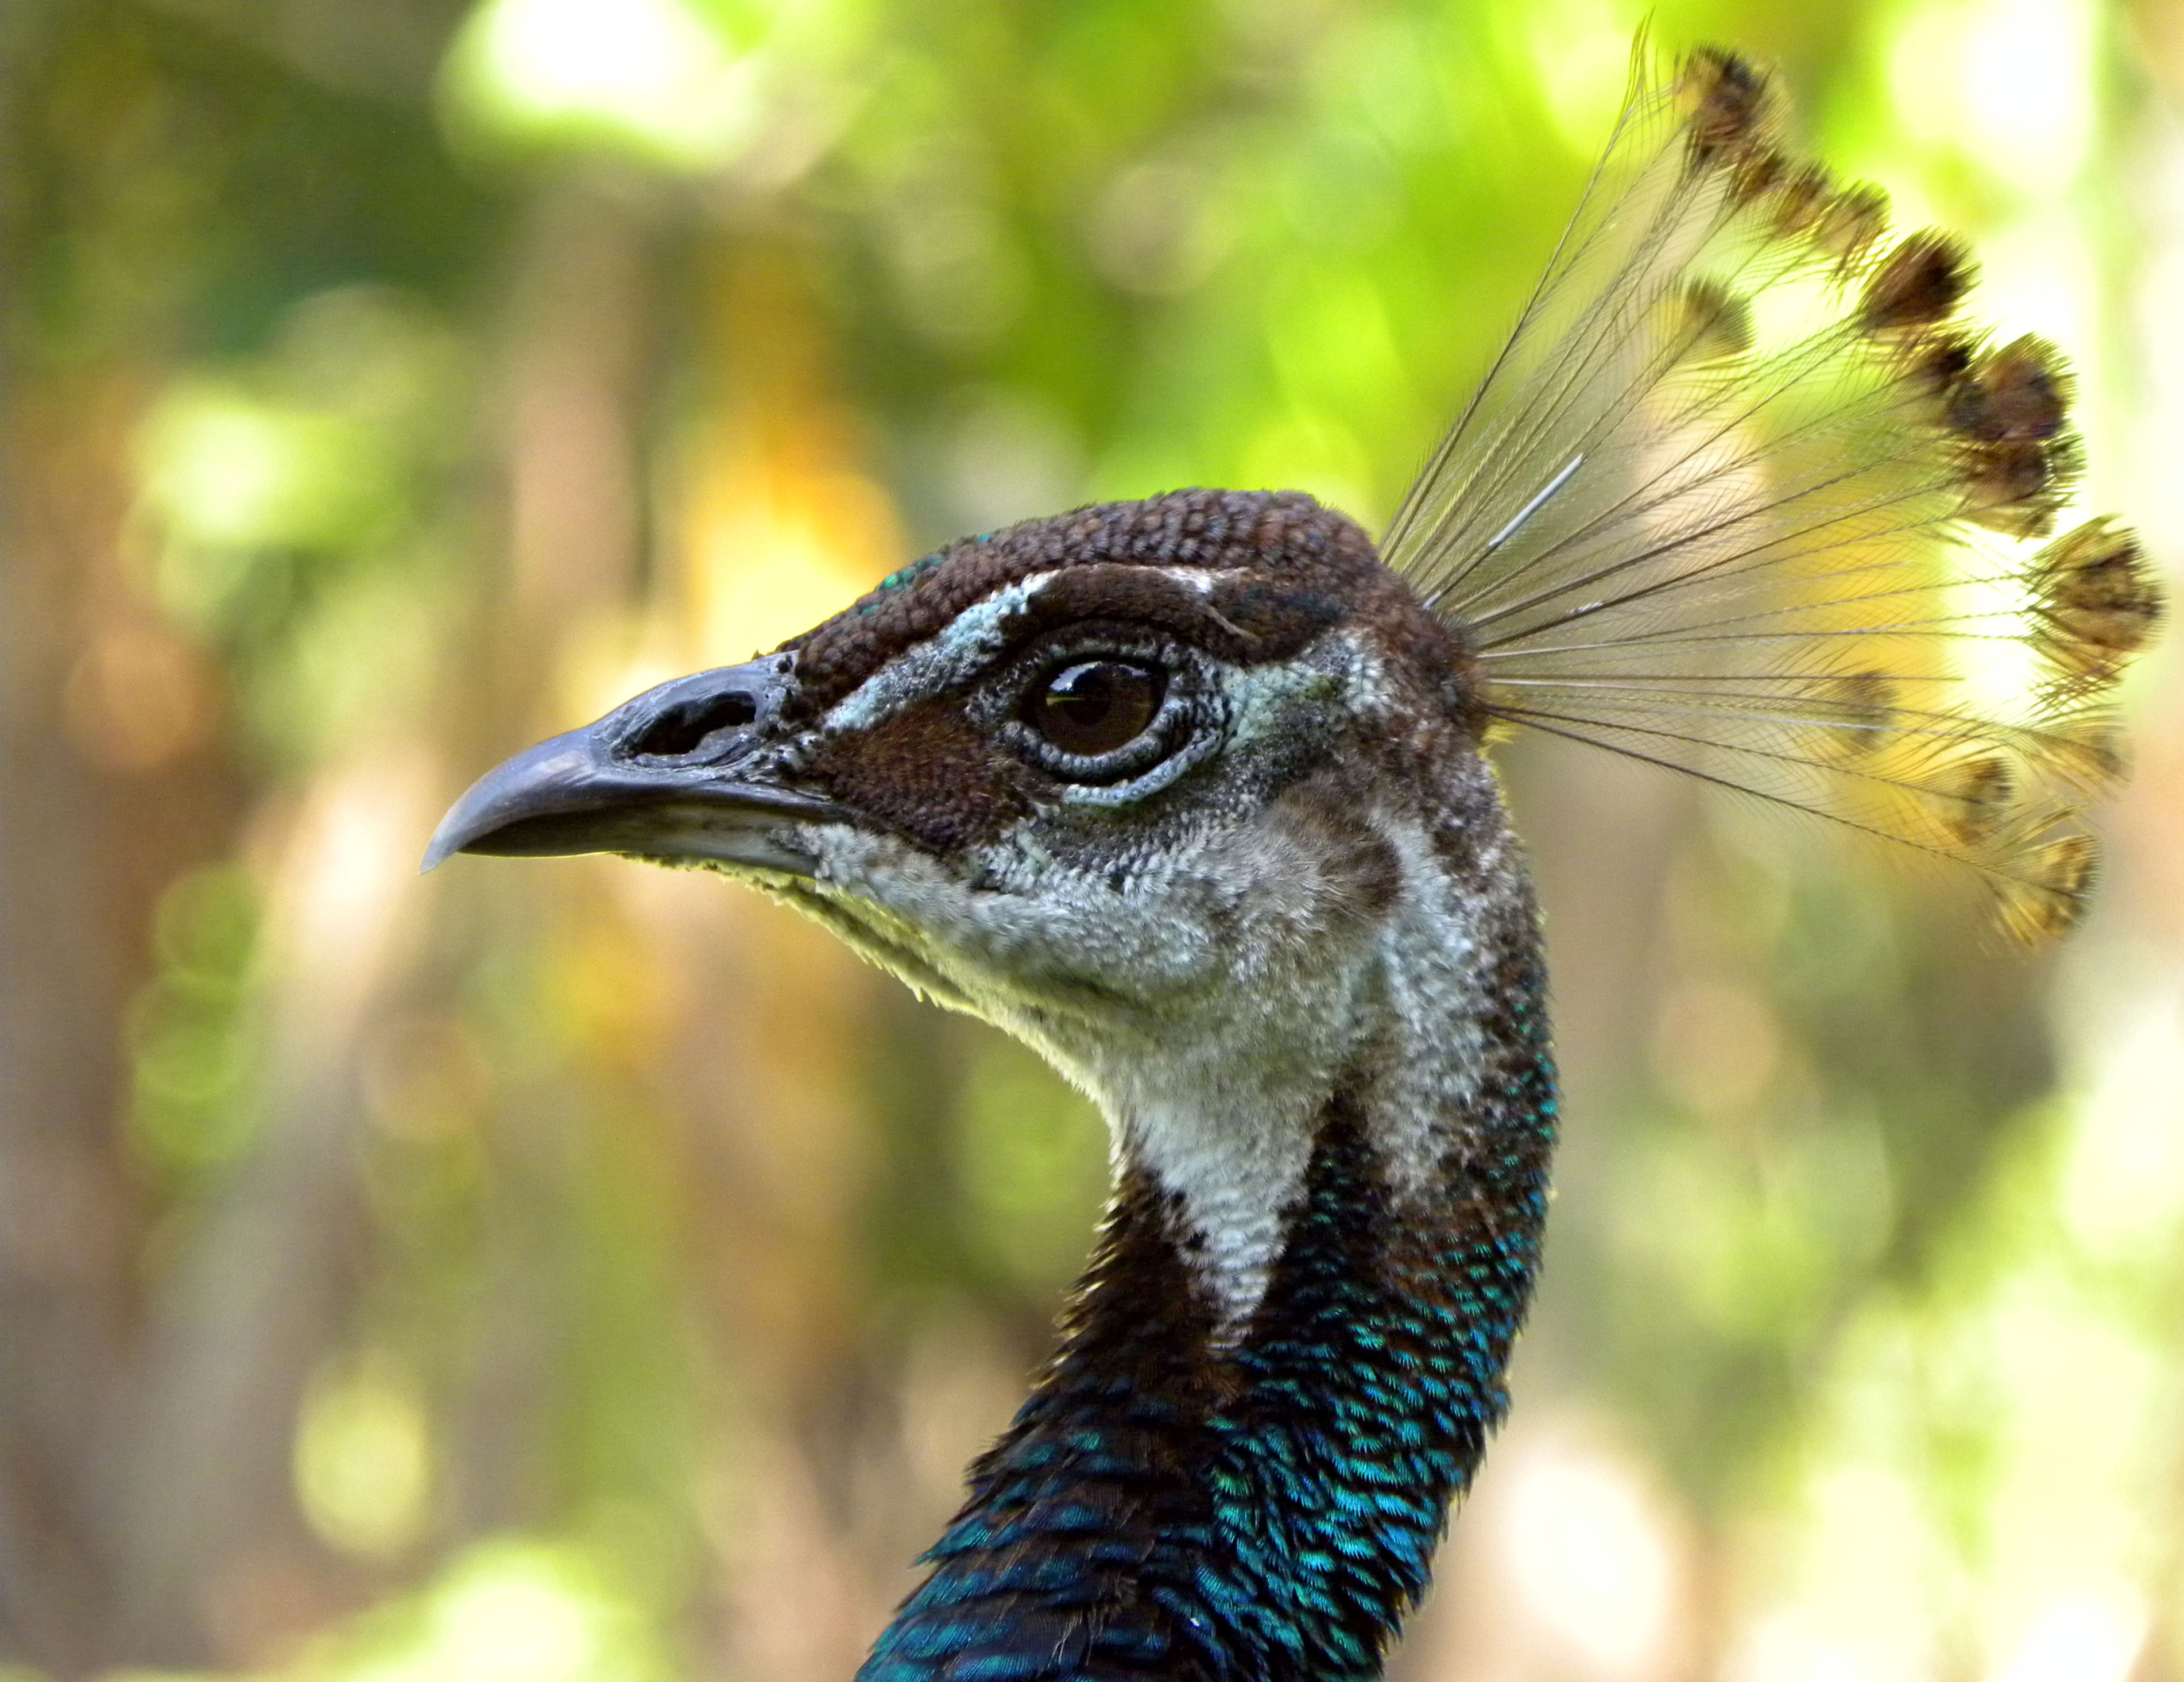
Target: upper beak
[{"x": 678, "y": 772}]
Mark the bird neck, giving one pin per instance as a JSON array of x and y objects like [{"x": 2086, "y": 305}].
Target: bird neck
[{"x": 1188, "y": 1495}]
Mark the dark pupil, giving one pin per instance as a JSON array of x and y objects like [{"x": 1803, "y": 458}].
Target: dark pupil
[{"x": 1096, "y": 706}]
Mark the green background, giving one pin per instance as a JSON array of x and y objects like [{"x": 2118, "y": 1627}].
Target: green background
[{"x": 561, "y": 1272}]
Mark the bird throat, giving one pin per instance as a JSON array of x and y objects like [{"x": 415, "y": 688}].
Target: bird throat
[{"x": 1186, "y": 1496}]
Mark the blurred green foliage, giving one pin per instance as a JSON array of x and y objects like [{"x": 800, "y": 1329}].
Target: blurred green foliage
[
  {"x": 558, "y": 1273},
  {"x": 189, "y": 1031}
]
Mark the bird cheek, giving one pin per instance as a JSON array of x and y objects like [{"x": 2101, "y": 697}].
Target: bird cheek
[{"x": 926, "y": 774}]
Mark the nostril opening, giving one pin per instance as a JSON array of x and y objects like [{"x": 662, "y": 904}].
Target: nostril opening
[{"x": 683, "y": 728}]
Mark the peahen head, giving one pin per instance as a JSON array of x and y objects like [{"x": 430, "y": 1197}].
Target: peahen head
[
  {"x": 1191, "y": 794},
  {"x": 1151, "y": 785}
]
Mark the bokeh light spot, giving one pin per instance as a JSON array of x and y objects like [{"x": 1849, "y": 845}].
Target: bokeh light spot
[
  {"x": 652, "y": 79},
  {"x": 515, "y": 1610},
  {"x": 364, "y": 1459},
  {"x": 2080, "y": 1636},
  {"x": 1590, "y": 1557}
]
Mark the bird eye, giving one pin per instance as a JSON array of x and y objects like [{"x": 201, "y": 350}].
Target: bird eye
[{"x": 1094, "y": 707}]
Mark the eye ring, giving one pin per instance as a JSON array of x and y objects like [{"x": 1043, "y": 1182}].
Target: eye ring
[
  {"x": 1189, "y": 719},
  {"x": 1088, "y": 708}
]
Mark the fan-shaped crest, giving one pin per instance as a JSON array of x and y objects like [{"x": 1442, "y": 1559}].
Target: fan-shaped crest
[{"x": 1744, "y": 496}]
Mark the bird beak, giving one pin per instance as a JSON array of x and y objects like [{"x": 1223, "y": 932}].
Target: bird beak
[{"x": 678, "y": 773}]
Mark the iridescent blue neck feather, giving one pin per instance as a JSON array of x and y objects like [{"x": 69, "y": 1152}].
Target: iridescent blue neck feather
[{"x": 1167, "y": 1505}]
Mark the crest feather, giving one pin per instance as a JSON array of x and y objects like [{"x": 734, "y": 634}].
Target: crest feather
[{"x": 1744, "y": 497}]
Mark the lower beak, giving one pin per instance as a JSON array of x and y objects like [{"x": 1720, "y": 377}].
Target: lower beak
[{"x": 608, "y": 788}]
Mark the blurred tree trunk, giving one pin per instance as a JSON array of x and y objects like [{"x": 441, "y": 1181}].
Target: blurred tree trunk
[
  {"x": 270, "y": 1290},
  {"x": 69, "y": 1222},
  {"x": 91, "y": 827},
  {"x": 111, "y": 784},
  {"x": 149, "y": 1391}
]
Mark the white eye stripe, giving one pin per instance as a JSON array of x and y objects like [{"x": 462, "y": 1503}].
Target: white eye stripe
[{"x": 968, "y": 641}]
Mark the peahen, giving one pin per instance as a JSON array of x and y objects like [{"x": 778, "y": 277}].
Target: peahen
[{"x": 1192, "y": 796}]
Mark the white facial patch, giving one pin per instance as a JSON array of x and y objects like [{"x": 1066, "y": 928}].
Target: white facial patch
[{"x": 1242, "y": 1000}]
